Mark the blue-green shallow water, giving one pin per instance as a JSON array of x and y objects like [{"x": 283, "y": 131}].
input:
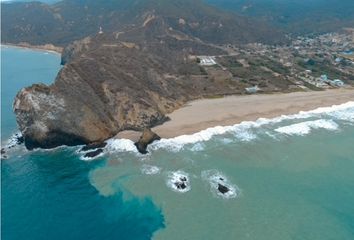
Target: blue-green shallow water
[
  {"x": 292, "y": 187},
  {"x": 47, "y": 194}
]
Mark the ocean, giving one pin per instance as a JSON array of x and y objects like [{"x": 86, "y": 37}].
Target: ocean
[{"x": 290, "y": 177}]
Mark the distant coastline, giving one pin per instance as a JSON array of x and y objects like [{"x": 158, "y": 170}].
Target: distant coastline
[
  {"x": 50, "y": 48},
  {"x": 201, "y": 114}
]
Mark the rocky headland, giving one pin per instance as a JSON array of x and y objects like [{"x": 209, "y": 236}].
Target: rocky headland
[{"x": 114, "y": 82}]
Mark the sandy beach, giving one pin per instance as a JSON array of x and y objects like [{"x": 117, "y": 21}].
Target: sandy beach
[
  {"x": 204, "y": 113},
  {"x": 44, "y": 48}
]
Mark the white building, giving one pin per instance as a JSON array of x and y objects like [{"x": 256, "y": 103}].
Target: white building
[
  {"x": 252, "y": 89},
  {"x": 207, "y": 60},
  {"x": 337, "y": 83}
]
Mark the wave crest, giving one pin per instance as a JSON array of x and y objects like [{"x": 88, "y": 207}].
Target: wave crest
[
  {"x": 244, "y": 131},
  {"x": 305, "y": 128}
]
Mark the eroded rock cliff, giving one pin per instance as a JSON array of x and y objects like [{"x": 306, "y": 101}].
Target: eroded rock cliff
[{"x": 114, "y": 82}]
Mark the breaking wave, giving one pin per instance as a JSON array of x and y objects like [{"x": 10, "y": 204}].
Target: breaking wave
[
  {"x": 305, "y": 128},
  {"x": 121, "y": 145},
  {"x": 84, "y": 158},
  {"x": 244, "y": 131},
  {"x": 198, "y": 147},
  {"x": 241, "y": 132},
  {"x": 15, "y": 140}
]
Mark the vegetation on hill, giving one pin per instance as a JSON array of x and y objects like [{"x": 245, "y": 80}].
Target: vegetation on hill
[
  {"x": 68, "y": 20},
  {"x": 295, "y": 16}
]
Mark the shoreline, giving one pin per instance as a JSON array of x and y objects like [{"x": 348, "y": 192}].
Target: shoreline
[
  {"x": 201, "y": 114},
  {"x": 43, "y": 48}
]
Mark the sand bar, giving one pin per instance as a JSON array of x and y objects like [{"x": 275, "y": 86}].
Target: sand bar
[{"x": 204, "y": 113}]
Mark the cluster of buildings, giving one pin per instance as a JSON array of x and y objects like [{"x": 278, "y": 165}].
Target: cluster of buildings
[
  {"x": 321, "y": 82},
  {"x": 304, "y": 62},
  {"x": 335, "y": 83},
  {"x": 308, "y": 59}
]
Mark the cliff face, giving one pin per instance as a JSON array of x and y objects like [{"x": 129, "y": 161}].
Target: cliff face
[
  {"x": 112, "y": 83},
  {"x": 48, "y": 118}
]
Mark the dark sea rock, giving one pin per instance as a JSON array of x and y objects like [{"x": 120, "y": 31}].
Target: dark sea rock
[
  {"x": 3, "y": 152},
  {"x": 3, "y": 156},
  {"x": 146, "y": 138},
  {"x": 180, "y": 185},
  {"x": 20, "y": 140},
  {"x": 92, "y": 146},
  {"x": 183, "y": 179},
  {"x": 223, "y": 189},
  {"x": 93, "y": 153}
]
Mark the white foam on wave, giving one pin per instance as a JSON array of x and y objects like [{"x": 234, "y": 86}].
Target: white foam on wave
[
  {"x": 13, "y": 140},
  {"x": 242, "y": 131},
  {"x": 197, "y": 147},
  {"x": 334, "y": 108},
  {"x": 150, "y": 170},
  {"x": 176, "y": 179},
  {"x": 344, "y": 115},
  {"x": 245, "y": 135},
  {"x": 13, "y": 144},
  {"x": 216, "y": 180},
  {"x": 305, "y": 128},
  {"x": 121, "y": 145},
  {"x": 83, "y": 158},
  {"x": 177, "y": 143}
]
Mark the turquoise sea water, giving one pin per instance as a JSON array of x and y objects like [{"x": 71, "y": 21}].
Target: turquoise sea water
[
  {"x": 290, "y": 177},
  {"x": 47, "y": 194}
]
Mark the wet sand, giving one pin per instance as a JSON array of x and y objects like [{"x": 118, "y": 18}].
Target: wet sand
[{"x": 204, "y": 113}]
